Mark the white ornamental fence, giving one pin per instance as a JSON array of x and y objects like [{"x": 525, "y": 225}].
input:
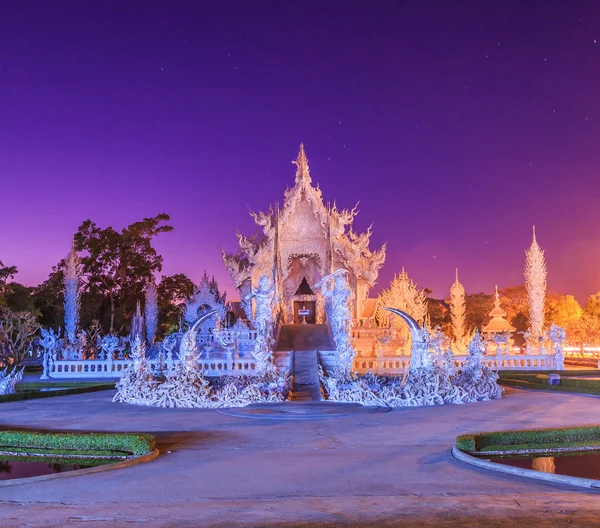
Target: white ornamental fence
[
  {"x": 102, "y": 368},
  {"x": 401, "y": 364}
]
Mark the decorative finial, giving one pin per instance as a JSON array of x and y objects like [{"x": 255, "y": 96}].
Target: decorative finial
[
  {"x": 534, "y": 234},
  {"x": 457, "y": 275},
  {"x": 302, "y": 171}
]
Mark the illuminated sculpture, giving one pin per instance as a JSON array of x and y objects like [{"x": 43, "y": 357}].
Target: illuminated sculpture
[
  {"x": 535, "y": 285},
  {"x": 337, "y": 301},
  {"x": 9, "y": 380},
  {"x": 71, "y": 284},
  {"x": 558, "y": 336},
  {"x": 50, "y": 343},
  {"x": 457, "y": 312},
  {"x": 184, "y": 385},
  {"x": 430, "y": 380},
  {"x": 151, "y": 312},
  {"x": 263, "y": 323},
  {"x": 479, "y": 381}
]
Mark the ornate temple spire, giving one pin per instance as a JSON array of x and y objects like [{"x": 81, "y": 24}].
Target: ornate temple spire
[
  {"x": 302, "y": 171},
  {"x": 498, "y": 323}
]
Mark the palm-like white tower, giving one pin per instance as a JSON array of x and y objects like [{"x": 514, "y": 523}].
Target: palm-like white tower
[
  {"x": 71, "y": 283},
  {"x": 457, "y": 310},
  {"x": 535, "y": 285},
  {"x": 151, "y": 309}
]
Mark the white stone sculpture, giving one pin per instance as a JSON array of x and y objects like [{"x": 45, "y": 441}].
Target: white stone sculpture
[
  {"x": 185, "y": 386},
  {"x": 337, "y": 305},
  {"x": 429, "y": 382},
  {"x": 558, "y": 336},
  {"x": 9, "y": 380},
  {"x": 110, "y": 344},
  {"x": 501, "y": 341},
  {"x": 50, "y": 343},
  {"x": 138, "y": 352},
  {"x": 263, "y": 323},
  {"x": 479, "y": 381}
]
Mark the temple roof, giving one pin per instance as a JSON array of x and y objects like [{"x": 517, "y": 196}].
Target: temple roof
[
  {"x": 369, "y": 308},
  {"x": 497, "y": 322},
  {"x": 303, "y": 215}
]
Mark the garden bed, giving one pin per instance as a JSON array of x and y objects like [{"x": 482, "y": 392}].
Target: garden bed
[
  {"x": 581, "y": 438},
  {"x": 30, "y": 391},
  {"x": 113, "y": 446}
]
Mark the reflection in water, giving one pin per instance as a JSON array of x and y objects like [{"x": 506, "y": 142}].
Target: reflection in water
[
  {"x": 544, "y": 464},
  {"x": 11, "y": 469}
]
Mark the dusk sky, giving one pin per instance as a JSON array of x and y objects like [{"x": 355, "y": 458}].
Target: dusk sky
[{"x": 457, "y": 125}]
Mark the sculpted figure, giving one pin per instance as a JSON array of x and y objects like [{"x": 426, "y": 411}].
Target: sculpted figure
[
  {"x": 263, "y": 323},
  {"x": 337, "y": 299}
]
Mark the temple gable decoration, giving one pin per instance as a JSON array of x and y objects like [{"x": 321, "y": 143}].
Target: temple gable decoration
[{"x": 302, "y": 242}]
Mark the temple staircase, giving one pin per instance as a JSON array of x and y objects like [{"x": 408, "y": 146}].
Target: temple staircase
[{"x": 304, "y": 341}]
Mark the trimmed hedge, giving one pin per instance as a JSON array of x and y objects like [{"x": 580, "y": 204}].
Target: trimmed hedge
[
  {"x": 575, "y": 437},
  {"x": 540, "y": 382},
  {"x": 65, "y": 443},
  {"x": 19, "y": 396}
]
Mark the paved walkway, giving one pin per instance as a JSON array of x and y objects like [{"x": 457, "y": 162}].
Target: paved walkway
[
  {"x": 305, "y": 386},
  {"x": 352, "y": 469}
]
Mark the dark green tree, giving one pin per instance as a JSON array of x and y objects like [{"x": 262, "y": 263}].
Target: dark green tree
[
  {"x": 172, "y": 291},
  {"x": 117, "y": 266}
]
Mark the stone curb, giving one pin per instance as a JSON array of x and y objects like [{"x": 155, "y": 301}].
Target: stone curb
[
  {"x": 85, "y": 471},
  {"x": 529, "y": 473}
]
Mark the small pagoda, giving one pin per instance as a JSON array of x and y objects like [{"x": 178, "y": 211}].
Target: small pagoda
[{"x": 498, "y": 324}]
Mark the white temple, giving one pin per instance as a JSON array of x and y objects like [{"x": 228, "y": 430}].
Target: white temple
[{"x": 302, "y": 242}]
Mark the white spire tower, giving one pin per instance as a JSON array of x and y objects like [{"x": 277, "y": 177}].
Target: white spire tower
[
  {"x": 457, "y": 310},
  {"x": 535, "y": 285}
]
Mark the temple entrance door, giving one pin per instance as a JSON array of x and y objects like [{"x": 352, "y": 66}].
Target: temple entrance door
[{"x": 304, "y": 310}]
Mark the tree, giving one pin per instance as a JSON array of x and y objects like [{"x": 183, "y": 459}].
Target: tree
[
  {"x": 6, "y": 273},
  {"x": 17, "y": 332},
  {"x": 18, "y": 298},
  {"x": 591, "y": 319},
  {"x": 172, "y": 291},
  {"x": 118, "y": 266},
  {"x": 48, "y": 298},
  {"x": 458, "y": 310},
  {"x": 477, "y": 308},
  {"x": 535, "y": 284},
  {"x": 567, "y": 313}
]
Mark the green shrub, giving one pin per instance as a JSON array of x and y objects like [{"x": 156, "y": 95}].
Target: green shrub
[
  {"x": 19, "y": 396},
  {"x": 532, "y": 439},
  {"x": 130, "y": 443}
]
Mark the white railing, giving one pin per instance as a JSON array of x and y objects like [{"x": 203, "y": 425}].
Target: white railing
[
  {"x": 381, "y": 365},
  {"x": 102, "y": 368},
  {"x": 400, "y": 365}
]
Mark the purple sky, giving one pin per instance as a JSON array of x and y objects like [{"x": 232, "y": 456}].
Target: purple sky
[{"x": 457, "y": 128}]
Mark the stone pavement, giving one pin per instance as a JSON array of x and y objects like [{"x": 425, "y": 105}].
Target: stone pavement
[{"x": 355, "y": 468}]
